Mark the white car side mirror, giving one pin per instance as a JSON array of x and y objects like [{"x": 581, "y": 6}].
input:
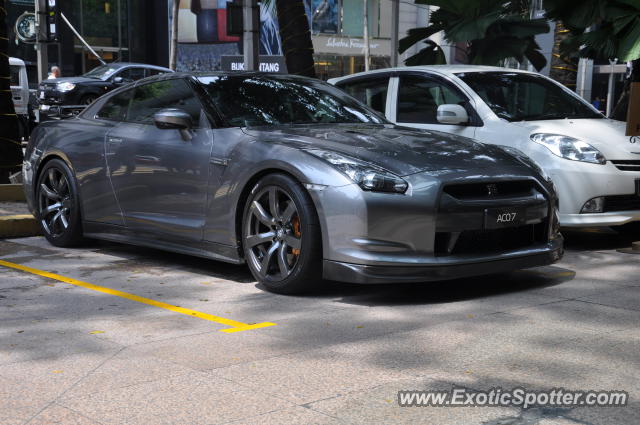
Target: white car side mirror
[{"x": 452, "y": 114}]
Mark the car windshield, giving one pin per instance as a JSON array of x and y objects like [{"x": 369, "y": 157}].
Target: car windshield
[
  {"x": 101, "y": 72},
  {"x": 271, "y": 100},
  {"x": 526, "y": 97}
]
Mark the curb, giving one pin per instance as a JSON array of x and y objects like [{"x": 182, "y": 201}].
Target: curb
[
  {"x": 11, "y": 192},
  {"x": 17, "y": 226}
]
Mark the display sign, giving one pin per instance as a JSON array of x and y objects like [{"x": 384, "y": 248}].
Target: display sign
[{"x": 275, "y": 64}]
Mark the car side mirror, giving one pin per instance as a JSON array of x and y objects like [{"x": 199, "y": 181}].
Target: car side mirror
[
  {"x": 118, "y": 80},
  {"x": 174, "y": 119},
  {"x": 452, "y": 114}
]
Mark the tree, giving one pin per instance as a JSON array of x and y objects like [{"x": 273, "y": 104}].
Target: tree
[
  {"x": 296, "y": 37},
  {"x": 487, "y": 31},
  {"x": 173, "y": 49},
  {"x": 602, "y": 29},
  {"x": 10, "y": 147},
  {"x": 564, "y": 65}
]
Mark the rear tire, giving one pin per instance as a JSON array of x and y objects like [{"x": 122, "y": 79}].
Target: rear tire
[
  {"x": 281, "y": 236},
  {"x": 58, "y": 204}
]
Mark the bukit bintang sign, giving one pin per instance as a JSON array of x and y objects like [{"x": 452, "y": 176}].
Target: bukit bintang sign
[{"x": 350, "y": 46}]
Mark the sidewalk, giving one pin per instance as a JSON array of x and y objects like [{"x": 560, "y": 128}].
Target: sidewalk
[{"x": 15, "y": 218}]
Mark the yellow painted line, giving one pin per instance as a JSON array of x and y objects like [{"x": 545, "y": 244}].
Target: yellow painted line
[{"x": 235, "y": 326}]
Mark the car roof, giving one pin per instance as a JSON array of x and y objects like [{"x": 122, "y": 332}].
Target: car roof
[
  {"x": 16, "y": 61},
  {"x": 142, "y": 65},
  {"x": 441, "y": 69}
]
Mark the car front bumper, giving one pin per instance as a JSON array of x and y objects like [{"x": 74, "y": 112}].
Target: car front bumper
[
  {"x": 425, "y": 235},
  {"x": 578, "y": 182},
  {"x": 452, "y": 269}
]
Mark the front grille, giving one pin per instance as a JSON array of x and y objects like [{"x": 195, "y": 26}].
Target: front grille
[
  {"x": 627, "y": 164},
  {"x": 621, "y": 203},
  {"x": 490, "y": 241},
  {"x": 492, "y": 190}
]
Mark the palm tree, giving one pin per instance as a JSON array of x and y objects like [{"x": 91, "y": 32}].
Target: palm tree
[
  {"x": 564, "y": 65},
  {"x": 295, "y": 37},
  {"x": 602, "y": 29},
  {"x": 488, "y": 32},
  {"x": 10, "y": 148}
]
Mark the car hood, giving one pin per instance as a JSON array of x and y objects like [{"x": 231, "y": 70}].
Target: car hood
[
  {"x": 400, "y": 150},
  {"x": 75, "y": 80},
  {"x": 604, "y": 134}
]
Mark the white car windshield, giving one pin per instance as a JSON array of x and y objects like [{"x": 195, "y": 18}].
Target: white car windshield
[{"x": 526, "y": 97}]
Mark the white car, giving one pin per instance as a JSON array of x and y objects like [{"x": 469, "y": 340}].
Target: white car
[
  {"x": 595, "y": 167},
  {"x": 20, "y": 92}
]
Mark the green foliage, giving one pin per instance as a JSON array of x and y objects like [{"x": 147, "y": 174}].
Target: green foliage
[
  {"x": 614, "y": 27},
  {"x": 490, "y": 31}
]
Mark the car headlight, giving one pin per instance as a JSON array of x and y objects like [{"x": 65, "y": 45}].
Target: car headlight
[
  {"x": 65, "y": 87},
  {"x": 569, "y": 148},
  {"x": 367, "y": 176}
]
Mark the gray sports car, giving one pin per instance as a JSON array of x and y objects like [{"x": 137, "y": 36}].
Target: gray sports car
[{"x": 291, "y": 176}]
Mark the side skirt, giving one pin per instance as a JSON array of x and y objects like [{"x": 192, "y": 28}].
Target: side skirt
[{"x": 203, "y": 249}]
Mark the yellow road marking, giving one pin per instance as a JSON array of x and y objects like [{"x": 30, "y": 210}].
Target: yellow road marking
[{"x": 235, "y": 326}]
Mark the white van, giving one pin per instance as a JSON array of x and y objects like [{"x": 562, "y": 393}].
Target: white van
[
  {"x": 19, "y": 85},
  {"x": 595, "y": 167}
]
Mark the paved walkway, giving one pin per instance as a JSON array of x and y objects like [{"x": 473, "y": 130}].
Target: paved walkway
[{"x": 73, "y": 354}]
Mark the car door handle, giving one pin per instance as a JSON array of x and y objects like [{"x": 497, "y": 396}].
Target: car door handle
[
  {"x": 114, "y": 140},
  {"x": 219, "y": 161}
]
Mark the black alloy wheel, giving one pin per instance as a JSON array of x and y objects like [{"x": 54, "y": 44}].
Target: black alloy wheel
[
  {"x": 281, "y": 235},
  {"x": 58, "y": 208}
]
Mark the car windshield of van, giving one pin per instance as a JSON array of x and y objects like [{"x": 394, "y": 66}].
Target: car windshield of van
[
  {"x": 101, "y": 72},
  {"x": 270, "y": 100},
  {"x": 526, "y": 97}
]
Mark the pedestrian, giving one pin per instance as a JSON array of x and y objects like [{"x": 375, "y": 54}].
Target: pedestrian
[{"x": 55, "y": 73}]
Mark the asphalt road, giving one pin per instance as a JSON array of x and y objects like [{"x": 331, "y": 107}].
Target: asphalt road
[{"x": 125, "y": 335}]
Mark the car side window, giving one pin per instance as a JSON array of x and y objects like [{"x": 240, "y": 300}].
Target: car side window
[
  {"x": 115, "y": 109},
  {"x": 14, "y": 75},
  {"x": 131, "y": 74},
  {"x": 151, "y": 72},
  {"x": 152, "y": 97},
  {"x": 419, "y": 98},
  {"x": 371, "y": 92}
]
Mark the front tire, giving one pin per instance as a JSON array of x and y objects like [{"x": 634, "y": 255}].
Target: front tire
[
  {"x": 281, "y": 236},
  {"x": 58, "y": 206}
]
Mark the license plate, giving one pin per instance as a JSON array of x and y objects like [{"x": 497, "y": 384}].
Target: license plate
[{"x": 497, "y": 218}]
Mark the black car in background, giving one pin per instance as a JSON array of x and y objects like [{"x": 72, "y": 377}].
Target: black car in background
[{"x": 84, "y": 89}]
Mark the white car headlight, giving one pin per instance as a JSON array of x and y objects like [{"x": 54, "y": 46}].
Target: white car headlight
[
  {"x": 569, "y": 148},
  {"x": 65, "y": 87},
  {"x": 367, "y": 176}
]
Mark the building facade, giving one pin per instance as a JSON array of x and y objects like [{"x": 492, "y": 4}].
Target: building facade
[{"x": 118, "y": 30}]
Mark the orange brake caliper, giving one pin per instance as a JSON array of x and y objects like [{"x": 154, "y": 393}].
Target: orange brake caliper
[{"x": 296, "y": 231}]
